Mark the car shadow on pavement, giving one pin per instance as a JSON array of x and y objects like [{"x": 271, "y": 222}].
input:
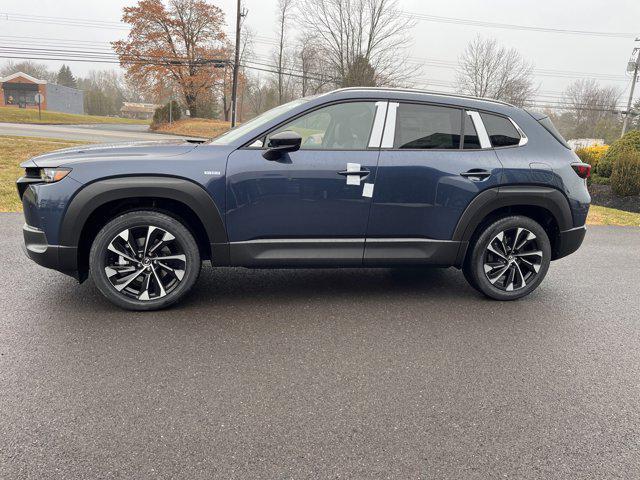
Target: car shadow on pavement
[
  {"x": 237, "y": 284},
  {"x": 237, "y": 287}
]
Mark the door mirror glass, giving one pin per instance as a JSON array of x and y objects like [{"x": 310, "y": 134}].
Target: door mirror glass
[{"x": 280, "y": 143}]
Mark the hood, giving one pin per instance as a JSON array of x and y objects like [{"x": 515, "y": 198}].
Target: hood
[{"x": 112, "y": 151}]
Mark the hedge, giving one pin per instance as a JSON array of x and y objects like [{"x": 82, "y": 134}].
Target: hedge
[
  {"x": 625, "y": 176},
  {"x": 630, "y": 142}
]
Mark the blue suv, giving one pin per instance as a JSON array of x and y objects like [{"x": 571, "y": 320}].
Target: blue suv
[{"x": 358, "y": 177}]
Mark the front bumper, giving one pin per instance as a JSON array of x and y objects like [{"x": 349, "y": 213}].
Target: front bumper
[
  {"x": 60, "y": 258},
  {"x": 569, "y": 242}
]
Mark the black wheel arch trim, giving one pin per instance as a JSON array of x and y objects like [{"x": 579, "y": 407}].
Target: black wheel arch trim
[
  {"x": 98, "y": 193},
  {"x": 493, "y": 199}
]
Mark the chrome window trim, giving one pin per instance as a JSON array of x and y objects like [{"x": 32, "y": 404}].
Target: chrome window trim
[
  {"x": 389, "y": 136},
  {"x": 523, "y": 136},
  {"x": 483, "y": 136},
  {"x": 378, "y": 125}
]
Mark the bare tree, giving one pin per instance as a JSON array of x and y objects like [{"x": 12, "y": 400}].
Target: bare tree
[
  {"x": 491, "y": 70},
  {"x": 261, "y": 96},
  {"x": 37, "y": 70},
  {"x": 310, "y": 62},
  {"x": 285, "y": 11},
  {"x": 592, "y": 109},
  {"x": 350, "y": 29}
]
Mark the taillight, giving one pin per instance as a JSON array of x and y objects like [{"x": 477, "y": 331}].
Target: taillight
[{"x": 582, "y": 169}]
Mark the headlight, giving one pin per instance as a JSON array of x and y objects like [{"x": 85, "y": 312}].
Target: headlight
[{"x": 50, "y": 175}]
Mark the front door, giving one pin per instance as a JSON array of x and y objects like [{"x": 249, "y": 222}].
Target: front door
[{"x": 310, "y": 207}]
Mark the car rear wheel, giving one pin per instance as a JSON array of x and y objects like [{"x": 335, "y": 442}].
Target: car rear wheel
[
  {"x": 509, "y": 259},
  {"x": 144, "y": 260}
]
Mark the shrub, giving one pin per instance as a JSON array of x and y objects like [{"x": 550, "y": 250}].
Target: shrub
[
  {"x": 592, "y": 155},
  {"x": 596, "y": 179},
  {"x": 625, "y": 177},
  {"x": 161, "y": 114},
  {"x": 631, "y": 141}
]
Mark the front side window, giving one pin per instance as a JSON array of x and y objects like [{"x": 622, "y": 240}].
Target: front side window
[
  {"x": 501, "y": 131},
  {"x": 343, "y": 126},
  {"x": 427, "y": 127}
]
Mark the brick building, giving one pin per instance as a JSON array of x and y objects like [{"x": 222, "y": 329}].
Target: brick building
[{"x": 20, "y": 89}]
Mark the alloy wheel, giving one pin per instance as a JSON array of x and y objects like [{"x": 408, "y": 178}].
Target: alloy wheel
[
  {"x": 145, "y": 263},
  {"x": 512, "y": 259}
]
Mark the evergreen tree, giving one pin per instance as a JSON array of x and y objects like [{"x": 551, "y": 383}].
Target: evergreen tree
[
  {"x": 66, "y": 78},
  {"x": 360, "y": 74}
]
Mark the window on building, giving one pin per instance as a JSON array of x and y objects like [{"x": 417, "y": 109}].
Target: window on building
[{"x": 19, "y": 93}]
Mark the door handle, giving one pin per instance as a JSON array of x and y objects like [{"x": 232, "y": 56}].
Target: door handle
[
  {"x": 360, "y": 173},
  {"x": 476, "y": 174}
]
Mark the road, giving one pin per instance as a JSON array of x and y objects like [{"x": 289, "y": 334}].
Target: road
[
  {"x": 103, "y": 133},
  {"x": 325, "y": 374}
]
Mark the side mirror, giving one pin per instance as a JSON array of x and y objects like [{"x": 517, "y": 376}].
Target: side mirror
[{"x": 287, "y": 141}]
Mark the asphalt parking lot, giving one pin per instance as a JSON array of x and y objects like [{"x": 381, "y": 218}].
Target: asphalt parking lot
[{"x": 325, "y": 374}]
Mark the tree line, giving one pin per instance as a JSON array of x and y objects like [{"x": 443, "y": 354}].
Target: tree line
[{"x": 178, "y": 50}]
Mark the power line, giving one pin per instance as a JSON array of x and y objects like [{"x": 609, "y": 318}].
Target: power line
[
  {"x": 512, "y": 26},
  {"x": 421, "y": 61}
]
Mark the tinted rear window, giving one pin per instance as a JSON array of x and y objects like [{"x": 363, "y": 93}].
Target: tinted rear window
[
  {"x": 501, "y": 131},
  {"x": 471, "y": 139},
  {"x": 427, "y": 127},
  {"x": 551, "y": 128}
]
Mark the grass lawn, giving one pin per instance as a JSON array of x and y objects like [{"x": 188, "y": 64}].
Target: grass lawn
[
  {"x": 196, "y": 127},
  {"x": 23, "y": 115},
  {"x": 610, "y": 216},
  {"x": 13, "y": 151}
]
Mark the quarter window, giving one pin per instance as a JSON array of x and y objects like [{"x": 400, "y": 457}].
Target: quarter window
[
  {"x": 427, "y": 127},
  {"x": 344, "y": 126},
  {"x": 501, "y": 131}
]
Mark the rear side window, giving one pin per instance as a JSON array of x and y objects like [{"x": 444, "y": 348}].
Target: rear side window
[
  {"x": 427, "y": 127},
  {"x": 551, "y": 128},
  {"x": 471, "y": 140},
  {"x": 501, "y": 131}
]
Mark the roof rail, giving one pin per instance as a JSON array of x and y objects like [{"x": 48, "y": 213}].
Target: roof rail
[{"x": 416, "y": 90}]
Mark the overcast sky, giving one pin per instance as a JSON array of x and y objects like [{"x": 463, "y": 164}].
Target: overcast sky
[{"x": 550, "y": 52}]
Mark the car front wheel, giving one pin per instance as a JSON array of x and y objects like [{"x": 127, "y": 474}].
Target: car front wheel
[
  {"x": 509, "y": 259},
  {"x": 144, "y": 260}
]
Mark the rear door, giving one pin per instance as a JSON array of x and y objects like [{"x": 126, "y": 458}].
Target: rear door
[{"x": 434, "y": 160}]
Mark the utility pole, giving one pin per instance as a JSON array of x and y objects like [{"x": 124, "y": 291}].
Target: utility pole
[
  {"x": 633, "y": 67},
  {"x": 236, "y": 66}
]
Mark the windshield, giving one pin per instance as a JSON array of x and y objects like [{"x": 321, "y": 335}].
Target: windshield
[{"x": 237, "y": 132}]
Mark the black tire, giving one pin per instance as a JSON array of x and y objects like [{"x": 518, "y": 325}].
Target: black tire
[
  {"x": 169, "y": 269},
  {"x": 514, "y": 264}
]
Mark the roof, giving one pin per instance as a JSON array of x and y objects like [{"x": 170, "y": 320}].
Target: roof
[
  {"x": 138, "y": 107},
  {"x": 406, "y": 92},
  {"x": 25, "y": 76}
]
